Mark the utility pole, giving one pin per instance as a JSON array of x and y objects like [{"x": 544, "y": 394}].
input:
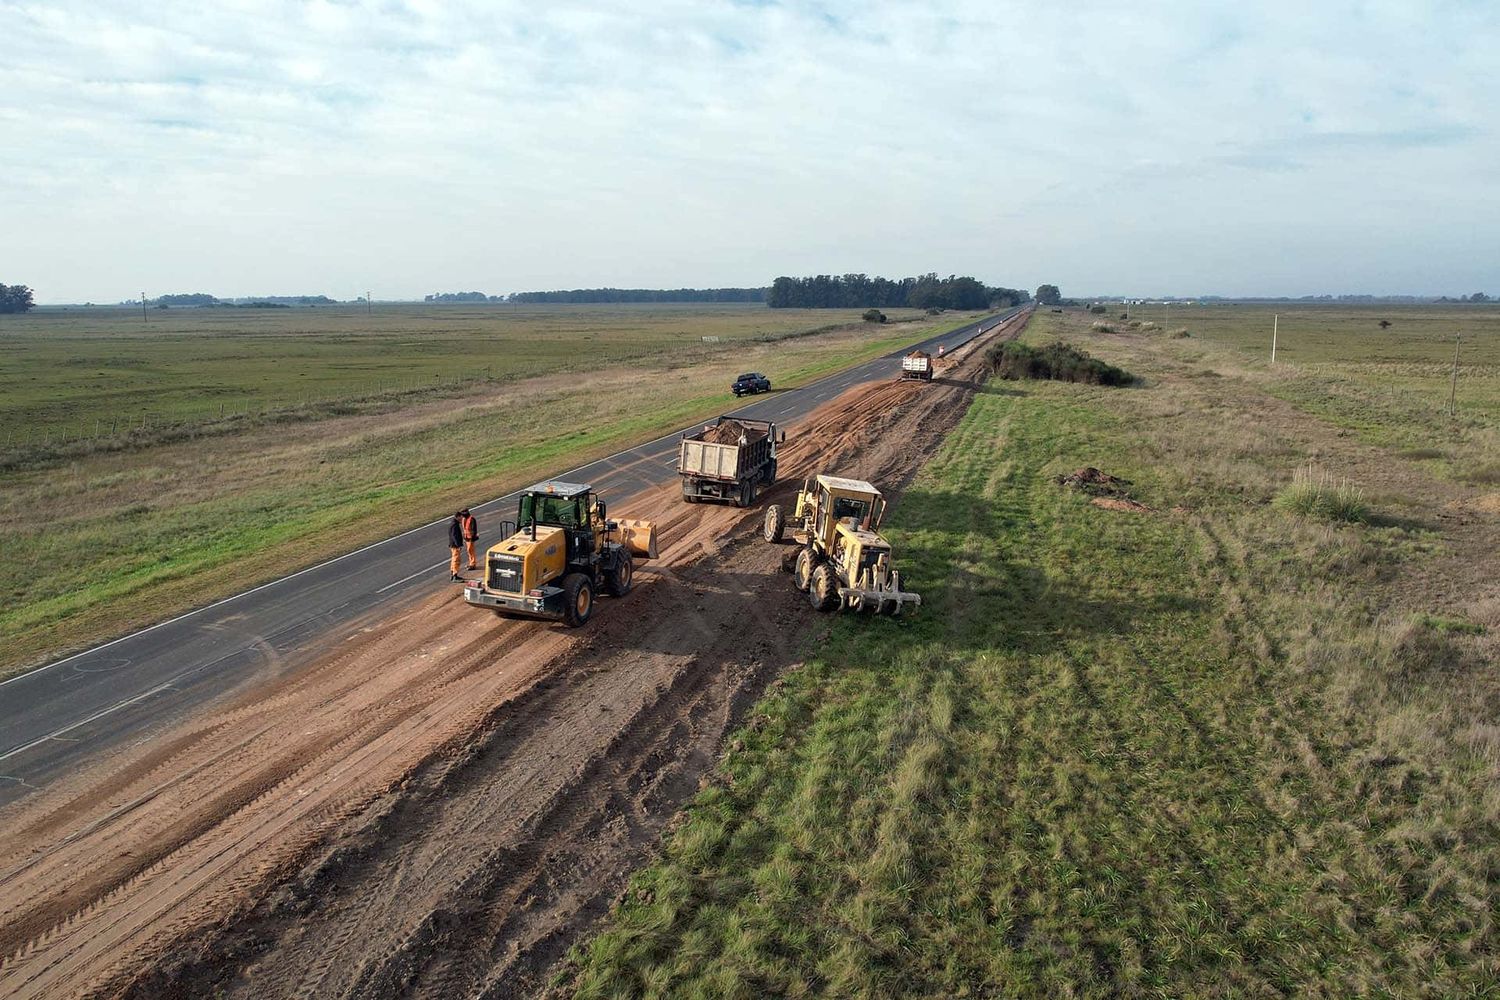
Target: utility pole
[
  {"x": 1275, "y": 323},
  {"x": 143, "y": 308},
  {"x": 368, "y": 307},
  {"x": 1453, "y": 386}
]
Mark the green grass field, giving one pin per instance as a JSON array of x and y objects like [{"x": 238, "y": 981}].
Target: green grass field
[
  {"x": 113, "y": 537},
  {"x": 80, "y": 373},
  {"x": 1214, "y": 749},
  {"x": 1390, "y": 385}
]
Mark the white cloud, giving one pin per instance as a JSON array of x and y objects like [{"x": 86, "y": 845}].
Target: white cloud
[{"x": 419, "y": 146}]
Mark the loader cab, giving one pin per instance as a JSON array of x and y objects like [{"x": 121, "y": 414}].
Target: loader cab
[{"x": 570, "y": 506}]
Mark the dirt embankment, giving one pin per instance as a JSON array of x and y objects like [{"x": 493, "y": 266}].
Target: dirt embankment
[{"x": 441, "y": 807}]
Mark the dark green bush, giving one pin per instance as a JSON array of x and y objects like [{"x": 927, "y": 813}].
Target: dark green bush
[
  {"x": 1057, "y": 360},
  {"x": 874, "y": 316}
]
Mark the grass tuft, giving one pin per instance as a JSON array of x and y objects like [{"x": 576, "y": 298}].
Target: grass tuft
[{"x": 1319, "y": 495}]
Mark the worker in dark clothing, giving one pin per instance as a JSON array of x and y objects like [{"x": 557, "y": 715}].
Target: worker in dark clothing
[
  {"x": 470, "y": 524},
  {"x": 455, "y": 543}
]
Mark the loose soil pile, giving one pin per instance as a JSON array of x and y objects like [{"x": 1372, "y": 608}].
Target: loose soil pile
[
  {"x": 730, "y": 432},
  {"x": 1095, "y": 483},
  {"x": 1108, "y": 492},
  {"x": 445, "y": 804}
]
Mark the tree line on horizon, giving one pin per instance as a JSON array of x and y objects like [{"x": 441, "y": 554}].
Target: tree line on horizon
[
  {"x": 594, "y": 295},
  {"x": 859, "y": 291}
]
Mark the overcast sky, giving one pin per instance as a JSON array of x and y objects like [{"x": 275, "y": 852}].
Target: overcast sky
[{"x": 409, "y": 147}]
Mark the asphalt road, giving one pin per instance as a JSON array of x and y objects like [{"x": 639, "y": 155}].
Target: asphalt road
[{"x": 54, "y": 717}]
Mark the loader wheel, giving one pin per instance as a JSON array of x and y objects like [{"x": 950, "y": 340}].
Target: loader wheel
[
  {"x": 578, "y": 599},
  {"x": 618, "y": 580},
  {"x": 802, "y": 573},
  {"x": 775, "y": 523},
  {"x": 823, "y": 592}
]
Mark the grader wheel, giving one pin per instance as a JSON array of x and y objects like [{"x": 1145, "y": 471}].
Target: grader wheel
[
  {"x": 775, "y": 523},
  {"x": 823, "y": 590},
  {"x": 802, "y": 572}
]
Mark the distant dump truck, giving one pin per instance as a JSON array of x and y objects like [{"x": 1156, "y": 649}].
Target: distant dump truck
[
  {"x": 917, "y": 364},
  {"x": 730, "y": 460}
]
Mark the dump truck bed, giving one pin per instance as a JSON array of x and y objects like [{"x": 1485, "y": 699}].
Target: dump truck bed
[
  {"x": 725, "y": 459},
  {"x": 917, "y": 364}
]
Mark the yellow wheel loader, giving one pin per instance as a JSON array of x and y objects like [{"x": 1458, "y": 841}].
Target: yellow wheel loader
[
  {"x": 844, "y": 562},
  {"x": 561, "y": 553}
]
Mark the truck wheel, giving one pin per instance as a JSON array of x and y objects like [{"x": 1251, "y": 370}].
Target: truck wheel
[
  {"x": 823, "y": 591},
  {"x": 578, "y": 599},
  {"x": 618, "y": 580},
  {"x": 746, "y": 495},
  {"x": 802, "y": 572},
  {"x": 775, "y": 523}
]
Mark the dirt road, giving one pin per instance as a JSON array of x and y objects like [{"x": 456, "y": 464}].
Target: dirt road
[{"x": 444, "y": 804}]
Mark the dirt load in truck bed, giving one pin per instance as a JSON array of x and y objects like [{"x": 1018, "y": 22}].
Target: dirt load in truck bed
[
  {"x": 730, "y": 432},
  {"x": 444, "y": 805}
]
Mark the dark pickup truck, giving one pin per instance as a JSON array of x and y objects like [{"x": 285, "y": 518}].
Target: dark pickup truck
[{"x": 751, "y": 382}]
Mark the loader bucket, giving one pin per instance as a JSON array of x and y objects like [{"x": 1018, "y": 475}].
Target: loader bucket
[{"x": 638, "y": 537}]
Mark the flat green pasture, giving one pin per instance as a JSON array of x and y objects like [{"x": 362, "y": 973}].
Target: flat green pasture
[
  {"x": 1211, "y": 749},
  {"x": 81, "y": 371}
]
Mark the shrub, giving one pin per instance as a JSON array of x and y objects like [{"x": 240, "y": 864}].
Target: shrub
[
  {"x": 874, "y": 316},
  {"x": 1098, "y": 310},
  {"x": 1103, "y": 327},
  {"x": 1317, "y": 494},
  {"x": 1135, "y": 324},
  {"x": 1180, "y": 333},
  {"x": 1148, "y": 325},
  {"x": 1057, "y": 361}
]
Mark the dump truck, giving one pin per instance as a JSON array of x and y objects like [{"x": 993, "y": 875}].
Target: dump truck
[
  {"x": 559, "y": 554},
  {"x": 844, "y": 561},
  {"x": 917, "y": 364},
  {"x": 732, "y": 459}
]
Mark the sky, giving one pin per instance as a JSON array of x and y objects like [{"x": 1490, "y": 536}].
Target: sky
[{"x": 408, "y": 147}]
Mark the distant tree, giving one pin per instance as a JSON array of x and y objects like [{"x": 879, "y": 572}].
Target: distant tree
[
  {"x": 15, "y": 299},
  {"x": 1048, "y": 295},
  {"x": 1479, "y": 297},
  {"x": 1385, "y": 324},
  {"x": 187, "y": 299}
]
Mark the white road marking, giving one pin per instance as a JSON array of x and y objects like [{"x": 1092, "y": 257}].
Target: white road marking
[{"x": 420, "y": 572}]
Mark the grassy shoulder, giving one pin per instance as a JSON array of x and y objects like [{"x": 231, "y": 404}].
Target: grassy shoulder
[
  {"x": 112, "y": 541},
  {"x": 1191, "y": 753}
]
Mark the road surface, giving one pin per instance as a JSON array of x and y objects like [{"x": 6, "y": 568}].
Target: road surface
[{"x": 55, "y": 716}]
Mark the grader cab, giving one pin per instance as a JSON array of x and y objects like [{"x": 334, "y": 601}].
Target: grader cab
[{"x": 844, "y": 562}]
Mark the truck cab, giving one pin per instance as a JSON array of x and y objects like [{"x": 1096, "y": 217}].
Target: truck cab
[{"x": 750, "y": 382}]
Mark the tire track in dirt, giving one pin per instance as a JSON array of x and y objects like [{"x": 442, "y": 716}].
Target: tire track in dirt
[{"x": 442, "y": 805}]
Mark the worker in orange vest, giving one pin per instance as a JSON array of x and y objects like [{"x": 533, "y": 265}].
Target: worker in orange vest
[
  {"x": 470, "y": 525},
  {"x": 463, "y": 533}
]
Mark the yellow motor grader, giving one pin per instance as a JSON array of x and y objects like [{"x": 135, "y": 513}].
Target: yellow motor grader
[
  {"x": 844, "y": 562},
  {"x": 558, "y": 555}
]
